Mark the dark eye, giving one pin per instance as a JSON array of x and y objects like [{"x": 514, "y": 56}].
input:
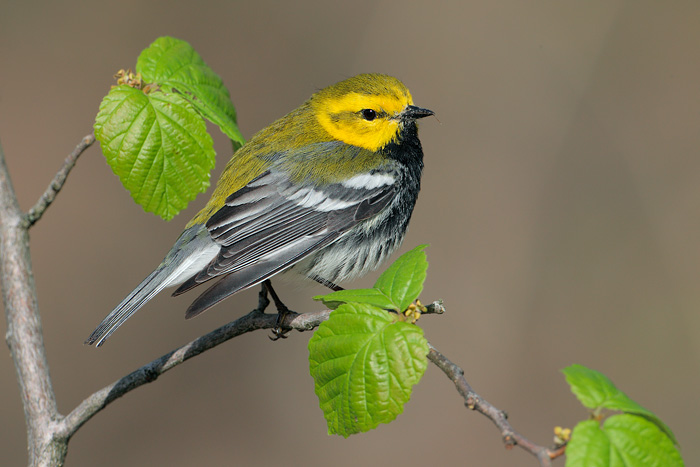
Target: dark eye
[{"x": 369, "y": 114}]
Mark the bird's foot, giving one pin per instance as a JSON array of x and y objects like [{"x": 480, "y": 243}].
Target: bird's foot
[{"x": 279, "y": 331}]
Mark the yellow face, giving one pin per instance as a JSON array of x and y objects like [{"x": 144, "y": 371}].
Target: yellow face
[{"x": 369, "y": 121}]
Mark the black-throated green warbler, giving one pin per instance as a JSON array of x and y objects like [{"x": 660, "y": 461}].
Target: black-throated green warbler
[{"x": 326, "y": 192}]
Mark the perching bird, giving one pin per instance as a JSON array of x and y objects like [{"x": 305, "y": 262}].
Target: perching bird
[{"x": 326, "y": 192}]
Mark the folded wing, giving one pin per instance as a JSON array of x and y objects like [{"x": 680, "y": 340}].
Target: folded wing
[{"x": 272, "y": 223}]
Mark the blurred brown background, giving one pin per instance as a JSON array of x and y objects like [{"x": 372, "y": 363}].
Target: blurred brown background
[{"x": 560, "y": 198}]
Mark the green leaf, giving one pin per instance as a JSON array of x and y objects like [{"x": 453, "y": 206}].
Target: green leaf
[
  {"x": 364, "y": 362},
  {"x": 176, "y": 67},
  {"x": 595, "y": 391},
  {"x": 624, "y": 441},
  {"x": 403, "y": 280},
  {"x": 592, "y": 388},
  {"x": 151, "y": 127},
  {"x": 588, "y": 447},
  {"x": 395, "y": 289},
  {"x": 368, "y": 296},
  {"x": 157, "y": 145},
  {"x": 640, "y": 441}
]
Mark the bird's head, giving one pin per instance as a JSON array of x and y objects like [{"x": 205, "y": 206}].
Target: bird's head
[{"x": 367, "y": 110}]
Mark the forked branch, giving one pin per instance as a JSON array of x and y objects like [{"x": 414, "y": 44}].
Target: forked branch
[{"x": 48, "y": 431}]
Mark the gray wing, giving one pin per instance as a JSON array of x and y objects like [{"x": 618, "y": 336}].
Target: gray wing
[{"x": 270, "y": 224}]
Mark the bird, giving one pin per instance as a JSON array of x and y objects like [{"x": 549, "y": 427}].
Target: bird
[{"x": 325, "y": 192}]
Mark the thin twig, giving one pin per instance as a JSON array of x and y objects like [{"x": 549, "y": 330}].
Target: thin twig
[
  {"x": 148, "y": 373},
  {"x": 473, "y": 401},
  {"x": 35, "y": 213}
]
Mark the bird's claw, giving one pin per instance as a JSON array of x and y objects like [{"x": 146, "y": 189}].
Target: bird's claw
[{"x": 278, "y": 333}]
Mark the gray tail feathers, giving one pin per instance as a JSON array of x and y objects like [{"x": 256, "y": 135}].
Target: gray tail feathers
[
  {"x": 229, "y": 285},
  {"x": 145, "y": 291}
]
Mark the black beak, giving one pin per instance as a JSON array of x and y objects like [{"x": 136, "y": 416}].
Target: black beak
[{"x": 415, "y": 113}]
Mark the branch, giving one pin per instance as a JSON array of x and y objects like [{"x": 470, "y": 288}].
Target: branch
[
  {"x": 24, "y": 335},
  {"x": 257, "y": 319},
  {"x": 48, "y": 432},
  {"x": 148, "y": 373},
  {"x": 56, "y": 184},
  {"x": 473, "y": 401}
]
